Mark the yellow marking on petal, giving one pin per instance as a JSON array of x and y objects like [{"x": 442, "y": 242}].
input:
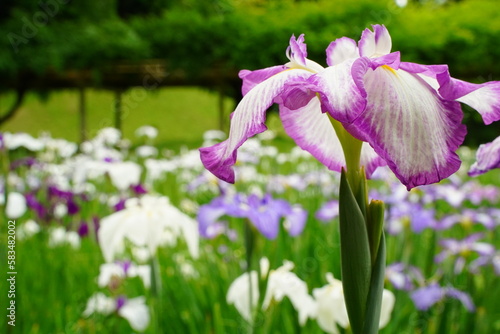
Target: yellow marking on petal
[
  {"x": 467, "y": 223},
  {"x": 390, "y": 69},
  {"x": 465, "y": 253}
]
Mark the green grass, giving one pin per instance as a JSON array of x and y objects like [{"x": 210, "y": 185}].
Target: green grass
[{"x": 180, "y": 114}]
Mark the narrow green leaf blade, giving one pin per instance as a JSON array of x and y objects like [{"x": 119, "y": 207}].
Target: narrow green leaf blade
[
  {"x": 355, "y": 256},
  {"x": 374, "y": 302},
  {"x": 374, "y": 226}
]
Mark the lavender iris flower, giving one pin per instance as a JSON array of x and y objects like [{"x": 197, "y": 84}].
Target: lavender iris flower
[
  {"x": 484, "y": 260},
  {"x": 462, "y": 250},
  {"x": 27, "y": 161},
  {"x": 328, "y": 212},
  {"x": 468, "y": 217},
  {"x": 425, "y": 297},
  {"x": 412, "y": 214},
  {"x": 407, "y": 115},
  {"x": 403, "y": 276},
  {"x": 265, "y": 213}
]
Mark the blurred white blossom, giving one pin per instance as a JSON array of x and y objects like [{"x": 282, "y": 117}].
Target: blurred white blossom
[
  {"x": 331, "y": 309},
  {"x": 122, "y": 270},
  {"x": 16, "y": 140},
  {"x": 134, "y": 310},
  {"x": 59, "y": 236},
  {"x": 27, "y": 230},
  {"x": 145, "y": 222},
  {"x": 146, "y": 151},
  {"x": 281, "y": 283},
  {"x": 16, "y": 205},
  {"x": 147, "y": 131}
]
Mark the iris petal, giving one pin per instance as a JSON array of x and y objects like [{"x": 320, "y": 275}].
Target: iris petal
[
  {"x": 253, "y": 78},
  {"x": 375, "y": 43},
  {"x": 340, "y": 95},
  {"x": 297, "y": 50},
  {"x": 482, "y": 97},
  {"x": 341, "y": 50},
  {"x": 410, "y": 126},
  {"x": 247, "y": 120},
  {"x": 313, "y": 131},
  {"x": 488, "y": 157}
]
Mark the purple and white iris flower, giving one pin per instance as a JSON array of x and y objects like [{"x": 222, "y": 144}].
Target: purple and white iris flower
[
  {"x": 110, "y": 274},
  {"x": 134, "y": 310},
  {"x": 487, "y": 158},
  {"x": 407, "y": 115}
]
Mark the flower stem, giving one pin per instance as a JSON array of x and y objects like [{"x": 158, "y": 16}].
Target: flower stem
[
  {"x": 352, "y": 153},
  {"x": 156, "y": 288},
  {"x": 249, "y": 246}
]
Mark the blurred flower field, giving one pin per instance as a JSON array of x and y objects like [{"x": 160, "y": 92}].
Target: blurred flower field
[{"x": 115, "y": 237}]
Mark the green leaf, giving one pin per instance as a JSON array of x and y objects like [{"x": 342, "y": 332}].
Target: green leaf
[
  {"x": 374, "y": 302},
  {"x": 355, "y": 256},
  {"x": 375, "y": 224},
  {"x": 361, "y": 193}
]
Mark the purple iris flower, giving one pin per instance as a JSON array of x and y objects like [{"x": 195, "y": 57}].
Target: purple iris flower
[
  {"x": 425, "y": 297},
  {"x": 35, "y": 205},
  {"x": 484, "y": 260},
  {"x": 407, "y": 115},
  {"x": 477, "y": 193},
  {"x": 453, "y": 194},
  {"x": 328, "y": 212},
  {"x": 469, "y": 217},
  {"x": 399, "y": 280},
  {"x": 54, "y": 191},
  {"x": 487, "y": 158},
  {"x": 27, "y": 161},
  {"x": 265, "y": 213},
  {"x": 412, "y": 214},
  {"x": 462, "y": 249},
  {"x": 139, "y": 189},
  {"x": 402, "y": 276},
  {"x": 120, "y": 205},
  {"x": 209, "y": 223},
  {"x": 125, "y": 265},
  {"x": 73, "y": 208},
  {"x": 120, "y": 301},
  {"x": 83, "y": 229}
]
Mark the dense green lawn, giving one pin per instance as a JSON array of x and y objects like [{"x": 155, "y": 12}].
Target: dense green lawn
[{"x": 180, "y": 114}]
